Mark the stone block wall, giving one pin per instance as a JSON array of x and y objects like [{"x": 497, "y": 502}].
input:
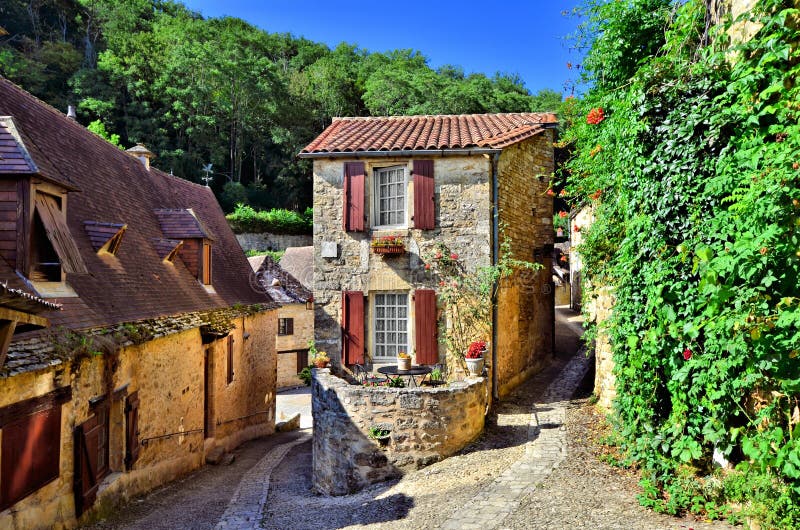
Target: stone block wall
[
  {"x": 526, "y": 311},
  {"x": 266, "y": 241},
  {"x": 168, "y": 374},
  {"x": 604, "y": 381},
  {"x": 426, "y": 424},
  {"x": 463, "y": 223}
]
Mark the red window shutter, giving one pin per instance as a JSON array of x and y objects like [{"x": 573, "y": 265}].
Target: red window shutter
[
  {"x": 424, "y": 206},
  {"x": 353, "y": 327},
  {"x": 131, "y": 429},
  {"x": 425, "y": 325},
  {"x": 354, "y": 181},
  {"x": 30, "y": 454}
]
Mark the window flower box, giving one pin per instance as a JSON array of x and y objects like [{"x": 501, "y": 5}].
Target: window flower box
[{"x": 388, "y": 245}]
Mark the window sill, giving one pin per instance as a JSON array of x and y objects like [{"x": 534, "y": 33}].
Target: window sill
[
  {"x": 209, "y": 289},
  {"x": 54, "y": 290}
]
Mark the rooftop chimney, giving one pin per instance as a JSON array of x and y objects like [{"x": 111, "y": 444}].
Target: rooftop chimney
[
  {"x": 142, "y": 153},
  {"x": 71, "y": 112}
]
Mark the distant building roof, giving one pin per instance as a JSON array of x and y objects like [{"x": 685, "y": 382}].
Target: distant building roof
[
  {"x": 299, "y": 262},
  {"x": 136, "y": 282},
  {"x": 280, "y": 285},
  {"x": 415, "y": 133}
]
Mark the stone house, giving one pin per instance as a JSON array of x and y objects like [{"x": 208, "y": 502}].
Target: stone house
[
  {"x": 295, "y": 320},
  {"x": 431, "y": 179},
  {"x": 159, "y": 351}
]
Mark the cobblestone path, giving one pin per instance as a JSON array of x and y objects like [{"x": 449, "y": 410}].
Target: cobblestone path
[
  {"x": 544, "y": 450},
  {"x": 244, "y": 509}
]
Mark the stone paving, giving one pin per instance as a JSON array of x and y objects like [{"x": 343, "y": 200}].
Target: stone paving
[{"x": 544, "y": 450}]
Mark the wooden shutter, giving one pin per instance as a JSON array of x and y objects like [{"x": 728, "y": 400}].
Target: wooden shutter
[
  {"x": 290, "y": 326},
  {"x": 354, "y": 183},
  {"x": 87, "y": 438},
  {"x": 55, "y": 225},
  {"x": 206, "y": 264},
  {"x": 425, "y": 325},
  {"x": 353, "y": 327},
  {"x": 131, "y": 429},
  {"x": 30, "y": 454},
  {"x": 424, "y": 206},
  {"x": 230, "y": 359}
]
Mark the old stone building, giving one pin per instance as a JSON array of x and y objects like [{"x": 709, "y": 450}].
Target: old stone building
[
  {"x": 431, "y": 180},
  {"x": 161, "y": 352},
  {"x": 295, "y": 320}
]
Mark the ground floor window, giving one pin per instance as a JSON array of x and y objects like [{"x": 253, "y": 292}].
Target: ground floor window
[{"x": 390, "y": 321}]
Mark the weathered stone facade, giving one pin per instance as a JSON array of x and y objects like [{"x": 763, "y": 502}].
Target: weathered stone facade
[
  {"x": 425, "y": 424},
  {"x": 463, "y": 199},
  {"x": 604, "y": 381},
  {"x": 464, "y": 223},
  {"x": 288, "y": 346},
  {"x": 167, "y": 372},
  {"x": 266, "y": 241}
]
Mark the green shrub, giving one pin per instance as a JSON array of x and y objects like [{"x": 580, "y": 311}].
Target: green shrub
[{"x": 275, "y": 221}]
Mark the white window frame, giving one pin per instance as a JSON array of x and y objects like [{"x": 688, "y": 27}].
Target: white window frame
[
  {"x": 376, "y": 198},
  {"x": 377, "y": 341}
]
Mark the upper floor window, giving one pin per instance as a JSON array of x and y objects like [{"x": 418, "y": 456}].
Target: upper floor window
[
  {"x": 390, "y": 196},
  {"x": 285, "y": 326}
]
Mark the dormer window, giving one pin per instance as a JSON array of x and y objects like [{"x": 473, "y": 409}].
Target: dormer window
[
  {"x": 195, "y": 252},
  {"x": 105, "y": 237},
  {"x": 52, "y": 250}
]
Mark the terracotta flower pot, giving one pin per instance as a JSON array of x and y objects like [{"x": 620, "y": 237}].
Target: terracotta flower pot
[{"x": 389, "y": 250}]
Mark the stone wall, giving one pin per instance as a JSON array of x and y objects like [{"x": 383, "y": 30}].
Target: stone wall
[
  {"x": 604, "y": 380},
  {"x": 526, "y": 310},
  {"x": 463, "y": 223},
  {"x": 287, "y": 345},
  {"x": 266, "y": 241},
  {"x": 168, "y": 374},
  {"x": 426, "y": 424},
  {"x": 579, "y": 220}
]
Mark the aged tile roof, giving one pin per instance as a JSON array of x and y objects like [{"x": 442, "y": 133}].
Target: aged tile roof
[
  {"x": 100, "y": 233},
  {"x": 401, "y": 133},
  {"x": 299, "y": 262},
  {"x": 181, "y": 223},
  {"x": 281, "y": 285},
  {"x": 135, "y": 283},
  {"x": 14, "y": 157}
]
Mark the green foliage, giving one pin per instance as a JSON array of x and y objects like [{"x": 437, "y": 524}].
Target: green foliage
[
  {"x": 377, "y": 433},
  {"x": 276, "y": 255},
  {"x": 276, "y": 221},
  {"x": 305, "y": 375},
  {"x": 99, "y": 129},
  {"x": 220, "y": 91},
  {"x": 696, "y": 197},
  {"x": 396, "y": 382},
  {"x": 233, "y": 195}
]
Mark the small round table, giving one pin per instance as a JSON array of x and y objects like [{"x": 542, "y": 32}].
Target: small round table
[{"x": 391, "y": 370}]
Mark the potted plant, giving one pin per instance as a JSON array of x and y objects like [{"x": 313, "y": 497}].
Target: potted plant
[
  {"x": 436, "y": 378},
  {"x": 321, "y": 359},
  {"x": 403, "y": 361},
  {"x": 388, "y": 245},
  {"x": 474, "y": 357}
]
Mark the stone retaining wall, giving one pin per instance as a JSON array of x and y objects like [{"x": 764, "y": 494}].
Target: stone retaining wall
[
  {"x": 267, "y": 241},
  {"x": 426, "y": 424}
]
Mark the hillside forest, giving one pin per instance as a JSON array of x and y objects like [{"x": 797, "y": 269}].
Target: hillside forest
[{"x": 219, "y": 91}]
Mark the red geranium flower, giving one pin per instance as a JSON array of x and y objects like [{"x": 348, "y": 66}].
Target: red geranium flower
[
  {"x": 595, "y": 116},
  {"x": 453, "y": 256},
  {"x": 687, "y": 354},
  {"x": 550, "y": 193},
  {"x": 562, "y": 214},
  {"x": 427, "y": 266},
  {"x": 438, "y": 255}
]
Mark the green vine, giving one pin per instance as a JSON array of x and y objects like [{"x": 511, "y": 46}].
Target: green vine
[{"x": 692, "y": 166}]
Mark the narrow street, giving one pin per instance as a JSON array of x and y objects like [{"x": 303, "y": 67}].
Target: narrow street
[{"x": 535, "y": 466}]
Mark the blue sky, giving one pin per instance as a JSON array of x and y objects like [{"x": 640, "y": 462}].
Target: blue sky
[{"x": 526, "y": 37}]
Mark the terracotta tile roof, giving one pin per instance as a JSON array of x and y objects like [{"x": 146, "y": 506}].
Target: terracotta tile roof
[
  {"x": 135, "y": 283},
  {"x": 401, "y": 133},
  {"x": 281, "y": 285}
]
